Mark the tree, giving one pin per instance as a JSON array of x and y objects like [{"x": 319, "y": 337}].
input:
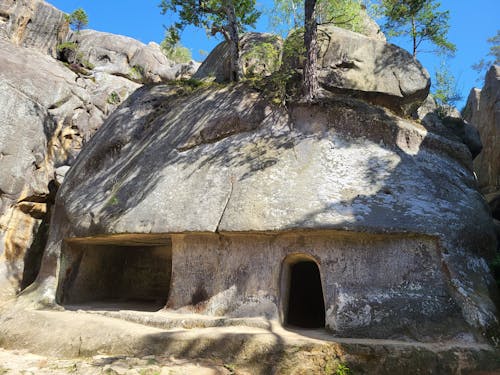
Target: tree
[
  {"x": 225, "y": 17},
  {"x": 78, "y": 19},
  {"x": 421, "y": 20},
  {"x": 289, "y": 14},
  {"x": 310, "y": 78},
  {"x": 174, "y": 51},
  {"x": 494, "y": 53},
  {"x": 445, "y": 90}
]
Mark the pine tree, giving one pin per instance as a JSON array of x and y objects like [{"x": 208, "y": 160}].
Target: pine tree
[{"x": 420, "y": 20}]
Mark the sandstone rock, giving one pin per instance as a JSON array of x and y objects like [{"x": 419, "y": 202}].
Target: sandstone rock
[
  {"x": 126, "y": 57},
  {"x": 370, "y": 69},
  {"x": 33, "y": 23},
  {"x": 242, "y": 189},
  {"x": 46, "y": 115},
  {"x": 449, "y": 123},
  {"x": 260, "y": 55},
  {"x": 483, "y": 110}
]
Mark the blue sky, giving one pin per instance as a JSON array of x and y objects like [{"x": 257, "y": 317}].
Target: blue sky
[{"x": 472, "y": 22}]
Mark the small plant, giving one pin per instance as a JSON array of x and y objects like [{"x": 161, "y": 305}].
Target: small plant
[
  {"x": 114, "y": 98},
  {"x": 72, "y": 46},
  {"x": 173, "y": 50},
  {"x": 445, "y": 91},
  {"x": 263, "y": 54},
  {"x": 137, "y": 72},
  {"x": 342, "y": 370}
]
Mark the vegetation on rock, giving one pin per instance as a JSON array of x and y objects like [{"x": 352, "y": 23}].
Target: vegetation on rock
[
  {"x": 445, "y": 90},
  {"x": 173, "y": 50},
  {"x": 420, "y": 20},
  {"x": 289, "y": 14},
  {"x": 227, "y": 18},
  {"x": 78, "y": 19}
]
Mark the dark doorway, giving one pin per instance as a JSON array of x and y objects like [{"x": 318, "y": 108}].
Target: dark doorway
[
  {"x": 116, "y": 276},
  {"x": 306, "y": 307}
]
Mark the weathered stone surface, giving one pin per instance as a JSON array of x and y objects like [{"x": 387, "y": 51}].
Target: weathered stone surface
[
  {"x": 46, "y": 115},
  {"x": 449, "y": 123},
  {"x": 483, "y": 110},
  {"x": 260, "y": 55},
  {"x": 126, "y": 57},
  {"x": 369, "y": 69},
  {"x": 225, "y": 161},
  {"x": 33, "y": 23}
]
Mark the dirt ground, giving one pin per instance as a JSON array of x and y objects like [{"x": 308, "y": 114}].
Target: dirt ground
[{"x": 24, "y": 363}]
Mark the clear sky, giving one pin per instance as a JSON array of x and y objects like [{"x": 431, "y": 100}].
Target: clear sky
[{"x": 472, "y": 22}]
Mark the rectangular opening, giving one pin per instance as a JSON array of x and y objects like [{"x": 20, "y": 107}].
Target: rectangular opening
[{"x": 116, "y": 275}]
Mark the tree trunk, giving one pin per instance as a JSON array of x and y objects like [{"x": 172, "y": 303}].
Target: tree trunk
[
  {"x": 234, "y": 44},
  {"x": 414, "y": 36},
  {"x": 310, "y": 83}
]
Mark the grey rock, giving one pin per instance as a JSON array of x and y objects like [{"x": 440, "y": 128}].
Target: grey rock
[
  {"x": 126, "y": 57},
  {"x": 228, "y": 174},
  {"x": 483, "y": 110},
  {"x": 260, "y": 55},
  {"x": 33, "y": 24},
  {"x": 60, "y": 173},
  {"x": 370, "y": 69}
]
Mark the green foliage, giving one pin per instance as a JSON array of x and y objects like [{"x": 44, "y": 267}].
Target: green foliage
[
  {"x": 445, "y": 91},
  {"x": 342, "y": 370},
  {"x": 212, "y": 15},
  {"x": 78, "y": 19},
  {"x": 173, "y": 50},
  {"x": 287, "y": 15},
  {"x": 137, "y": 72},
  {"x": 72, "y": 46},
  {"x": 494, "y": 55},
  {"x": 421, "y": 20},
  {"x": 114, "y": 98},
  {"x": 265, "y": 53}
]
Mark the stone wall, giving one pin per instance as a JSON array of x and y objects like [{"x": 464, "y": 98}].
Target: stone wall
[{"x": 374, "y": 285}]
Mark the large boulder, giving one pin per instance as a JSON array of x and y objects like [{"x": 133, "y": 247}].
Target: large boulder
[
  {"x": 364, "y": 67},
  {"x": 448, "y": 122},
  {"x": 34, "y": 24},
  {"x": 225, "y": 161},
  {"x": 483, "y": 110},
  {"x": 260, "y": 54},
  {"x": 46, "y": 115},
  {"x": 126, "y": 57}
]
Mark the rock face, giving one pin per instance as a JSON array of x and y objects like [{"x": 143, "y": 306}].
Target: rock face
[
  {"x": 367, "y": 68},
  {"x": 126, "y": 57},
  {"x": 260, "y": 55},
  {"x": 33, "y": 23},
  {"x": 483, "y": 110},
  {"x": 48, "y": 111},
  {"x": 238, "y": 192}
]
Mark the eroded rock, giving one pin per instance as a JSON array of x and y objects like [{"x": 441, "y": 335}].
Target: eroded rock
[{"x": 347, "y": 185}]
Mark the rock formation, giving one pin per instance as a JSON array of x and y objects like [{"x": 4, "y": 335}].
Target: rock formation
[
  {"x": 483, "y": 110},
  {"x": 234, "y": 192},
  {"x": 48, "y": 111}
]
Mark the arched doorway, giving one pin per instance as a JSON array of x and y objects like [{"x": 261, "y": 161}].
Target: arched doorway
[{"x": 303, "y": 302}]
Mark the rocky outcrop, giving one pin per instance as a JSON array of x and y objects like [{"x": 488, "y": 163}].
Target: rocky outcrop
[
  {"x": 483, "y": 110},
  {"x": 48, "y": 111},
  {"x": 449, "y": 123},
  {"x": 34, "y": 24},
  {"x": 47, "y": 114},
  {"x": 365, "y": 67},
  {"x": 126, "y": 57},
  {"x": 260, "y": 55},
  {"x": 225, "y": 161}
]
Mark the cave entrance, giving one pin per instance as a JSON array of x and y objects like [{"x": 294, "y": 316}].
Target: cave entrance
[
  {"x": 304, "y": 305},
  {"x": 113, "y": 276}
]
